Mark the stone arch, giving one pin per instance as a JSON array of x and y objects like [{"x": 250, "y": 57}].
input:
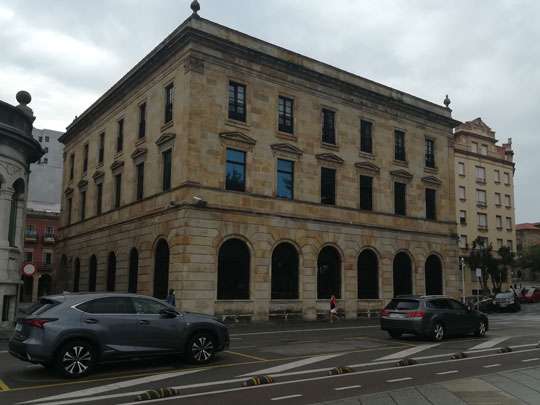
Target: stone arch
[
  {"x": 234, "y": 269},
  {"x": 133, "y": 271},
  {"x": 161, "y": 268},
  {"x": 402, "y": 273},
  {"x": 76, "y": 275},
  {"x": 92, "y": 273},
  {"x": 329, "y": 272},
  {"x": 433, "y": 273},
  {"x": 285, "y": 275},
  {"x": 367, "y": 269},
  {"x": 111, "y": 272}
]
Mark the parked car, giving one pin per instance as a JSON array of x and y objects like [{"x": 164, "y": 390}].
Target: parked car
[
  {"x": 434, "y": 317},
  {"x": 507, "y": 301},
  {"x": 530, "y": 296},
  {"x": 73, "y": 332},
  {"x": 482, "y": 303}
]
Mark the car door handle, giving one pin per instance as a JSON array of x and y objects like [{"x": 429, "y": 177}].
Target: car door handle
[
  {"x": 144, "y": 322},
  {"x": 91, "y": 320}
]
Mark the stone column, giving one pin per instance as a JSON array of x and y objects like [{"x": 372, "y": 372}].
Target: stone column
[{"x": 19, "y": 231}]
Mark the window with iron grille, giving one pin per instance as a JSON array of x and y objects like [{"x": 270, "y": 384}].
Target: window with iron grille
[
  {"x": 237, "y": 101},
  {"x": 117, "y": 190},
  {"x": 101, "y": 150},
  {"x": 142, "y": 120},
  {"x": 71, "y": 166},
  {"x": 140, "y": 181},
  {"x": 167, "y": 169},
  {"x": 431, "y": 204},
  {"x": 120, "y": 136},
  {"x": 286, "y": 114},
  {"x": 366, "y": 193},
  {"x": 85, "y": 159},
  {"x": 169, "y": 102},
  {"x": 400, "y": 198},
  {"x": 328, "y": 186},
  {"x": 99, "y": 198},
  {"x": 399, "y": 141},
  {"x": 366, "y": 142},
  {"x": 430, "y": 153},
  {"x": 236, "y": 170},
  {"x": 285, "y": 179},
  {"x": 328, "y": 126},
  {"x": 83, "y": 205}
]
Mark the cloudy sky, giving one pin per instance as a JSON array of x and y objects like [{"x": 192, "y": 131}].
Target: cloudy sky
[{"x": 485, "y": 54}]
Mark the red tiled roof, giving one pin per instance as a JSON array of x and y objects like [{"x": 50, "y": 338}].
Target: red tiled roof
[{"x": 528, "y": 225}]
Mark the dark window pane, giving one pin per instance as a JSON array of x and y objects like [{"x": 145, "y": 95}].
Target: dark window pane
[
  {"x": 142, "y": 120},
  {"x": 400, "y": 202},
  {"x": 430, "y": 153},
  {"x": 368, "y": 275},
  {"x": 366, "y": 193},
  {"x": 399, "y": 138},
  {"x": 237, "y": 101},
  {"x": 120, "y": 137},
  {"x": 140, "y": 181},
  {"x": 69, "y": 209},
  {"x": 431, "y": 210},
  {"x": 83, "y": 205},
  {"x": 236, "y": 170},
  {"x": 101, "y": 150},
  {"x": 71, "y": 166},
  {"x": 99, "y": 198},
  {"x": 402, "y": 274},
  {"x": 85, "y": 159},
  {"x": 366, "y": 142},
  {"x": 328, "y": 273},
  {"x": 92, "y": 274},
  {"x": 169, "y": 102},
  {"x": 161, "y": 270},
  {"x": 109, "y": 305},
  {"x": 328, "y": 186},
  {"x": 285, "y": 179},
  {"x": 233, "y": 271},
  {"x": 148, "y": 307},
  {"x": 328, "y": 127},
  {"x": 133, "y": 271},
  {"x": 117, "y": 190},
  {"x": 285, "y": 114},
  {"x": 285, "y": 272},
  {"x": 167, "y": 170}
]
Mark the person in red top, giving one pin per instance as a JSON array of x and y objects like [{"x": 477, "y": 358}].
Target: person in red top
[{"x": 333, "y": 308}]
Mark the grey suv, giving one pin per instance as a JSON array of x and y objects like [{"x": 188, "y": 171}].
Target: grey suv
[{"x": 74, "y": 332}]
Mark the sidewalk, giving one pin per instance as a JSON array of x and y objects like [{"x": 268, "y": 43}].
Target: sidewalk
[{"x": 512, "y": 387}]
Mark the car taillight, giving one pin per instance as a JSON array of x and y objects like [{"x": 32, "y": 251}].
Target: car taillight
[
  {"x": 385, "y": 312},
  {"x": 416, "y": 314},
  {"x": 37, "y": 323}
]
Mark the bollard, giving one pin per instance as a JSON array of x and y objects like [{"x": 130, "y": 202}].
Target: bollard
[
  {"x": 456, "y": 356},
  {"x": 157, "y": 394},
  {"x": 406, "y": 362},
  {"x": 340, "y": 370},
  {"x": 258, "y": 380}
]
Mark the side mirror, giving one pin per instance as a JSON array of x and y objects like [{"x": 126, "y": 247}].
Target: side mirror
[
  {"x": 168, "y": 313},
  {"x": 469, "y": 308}
]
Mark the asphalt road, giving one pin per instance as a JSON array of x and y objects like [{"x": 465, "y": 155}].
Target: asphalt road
[{"x": 298, "y": 357}]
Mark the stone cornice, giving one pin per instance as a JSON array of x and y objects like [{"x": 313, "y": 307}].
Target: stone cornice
[
  {"x": 330, "y": 158},
  {"x": 287, "y": 148},
  {"x": 402, "y": 174},
  {"x": 118, "y": 164},
  {"x": 459, "y": 151},
  {"x": 432, "y": 180},
  {"x": 138, "y": 153},
  {"x": 164, "y": 138},
  {"x": 237, "y": 137},
  {"x": 368, "y": 167}
]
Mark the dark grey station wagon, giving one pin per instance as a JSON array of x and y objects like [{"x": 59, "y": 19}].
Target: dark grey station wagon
[{"x": 74, "y": 332}]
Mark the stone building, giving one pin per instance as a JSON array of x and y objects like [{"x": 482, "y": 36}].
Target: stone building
[
  {"x": 17, "y": 150},
  {"x": 527, "y": 235},
  {"x": 257, "y": 182},
  {"x": 484, "y": 191}
]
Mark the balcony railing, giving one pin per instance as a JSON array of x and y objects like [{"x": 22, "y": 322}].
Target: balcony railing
[
  {"x": 30, "y": 236},
  {"x": 49, "y": 238}
]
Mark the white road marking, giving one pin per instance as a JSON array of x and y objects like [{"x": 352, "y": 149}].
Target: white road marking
[
  {"x": 528, "y": 360},
  {"x": 286, "y": 397},
  {"x": 407, "y": 352},
  {"x": 274, "y": 332},
  {"x": 448, "y": 372},
  {"x": 294, "y": 364},
  {"x": 236, "y": 380},
  {"x": 492, "y": 365},
  {"x": 490, "y": 343},
  {"x": 350, "y": 387},
  {"x": 399, "y": 379}
]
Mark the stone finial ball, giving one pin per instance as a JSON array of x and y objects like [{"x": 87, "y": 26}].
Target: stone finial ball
[
  {"x": 23, "y": 97},
  {"x": 195, "y": 6}
]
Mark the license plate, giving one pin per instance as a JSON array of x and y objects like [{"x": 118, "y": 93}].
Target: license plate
[
  {"x": 18, "y": 327},
  {"x": 396, "y": 316}
]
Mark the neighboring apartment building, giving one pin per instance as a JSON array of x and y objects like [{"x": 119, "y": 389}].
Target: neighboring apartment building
[
  {"x": 527, "y": 235},
  {"x": 256, "y": 182},
  {"x": 484, "y": 191}
]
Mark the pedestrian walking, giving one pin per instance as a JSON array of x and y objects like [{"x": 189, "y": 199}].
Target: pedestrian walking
[
  {"x": 171, "y": 298},
  {"x": 333, "y": 308}
]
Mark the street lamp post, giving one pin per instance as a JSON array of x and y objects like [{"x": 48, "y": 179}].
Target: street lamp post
[{"x": 462, "y": 268}]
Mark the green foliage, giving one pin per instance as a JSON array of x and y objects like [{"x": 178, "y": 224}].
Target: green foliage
[{"x": 530, "y": 259}]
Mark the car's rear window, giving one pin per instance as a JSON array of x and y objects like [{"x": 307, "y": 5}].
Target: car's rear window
[
  {"x": 43, "y": 305},
  {"x": 403, "y": 305}
]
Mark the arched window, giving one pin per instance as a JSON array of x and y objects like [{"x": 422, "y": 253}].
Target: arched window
[
  {"x": 18, "y": 191},
  {"x": 161, "y": 269},
  {"x": 92, "y": 273},
  {"x": 402, "y": 274},
  {"x": 233, "y": 270},
  {"x": 285, "y": 272},
  {"x": 111, "y": 272},
  {"x": 368, "y": 275},
  {"x": 328, "y": 273},
  {"x": 434, "y": 276},
  {"x": 44, "y": 285},
  {"x": 133, "y": 270},
  {"x": 76, "y": 275}
]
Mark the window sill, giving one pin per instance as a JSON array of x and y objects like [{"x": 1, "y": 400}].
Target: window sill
[
  {"x": 432, "y": 170},
  {"x": 99, "y": 165},
  {"x": 479, "y": 181},
  {"x": 508, "y": 207},
  {"x": 481, "y": 205},
  {"x": 483, "y": 228},
  {"x": 403, "y": 163},
  {"x": 366, "y": 155},
  {"x": 287, "y": 136},
  {"x": 461, "y": 175},
  {"x": 167, "y": 125},
  {"x": 499, "y": 228},
  {"x": 497, "y": 182},
  {"x": 330, "y": 146},
  {"x": 462, "y": 199},
  {"x": 237, "y": 124},
  {"x": 508, "y": 230},
  {"x": 498, "y": 205},
  {"x": 463, "y": 223},
  {"x": 140, "y": 141}
]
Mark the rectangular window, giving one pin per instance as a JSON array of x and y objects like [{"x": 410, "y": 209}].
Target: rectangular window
[
  {"x": 480, "y": 174},
  {"x": 328, "y": 186},
  {"x": 463, "y": 217},
  {"x": 482, "y": 221},
  {"x": 101, "y": 150},
  {"x": 120, "y": 136},
  {"x": 328, "y": 126},
  {"x": 481, "y": 198},
  {"x": 117, "y": 190},
  {"x": 499, "y": 221},
  {"x": 506, "y": 178},
  {"x": 483, "y": 150},
  {"x": 85, "y": 159},
  {"x": 508, "y": 223},
  {"x": 366, "y": 141},
  {"x": 83, "y": 205},
  {"x": 461, "y": 168},
  {"x": 140, "y": 181},
  {"x": 366, "y": 193},
  {"x": 497, "y": 176},
  {"x": 285, "y": 114},
  {"x": 28, "y": 257},
  {"x": 461, "y": 192},
  {"x": 285, "y": 179},
  {"x": 46, "y": 139},
  {"x": 71, "y": 166},
  {"x": 431, "y": 204},
  {"x": 474, "y": 147},
  {"x": 7, "y": 303},
  {"x": 507, "y": 201},
  {"x": 430, "y": 153},
  {"x": 237, "y": 101},
  {"x": 463, "y": 243},
  {"x": 167, "y": 169},
  {"x": 510, "y": 245},
  {"x": 399, "y": 145},
  {"x": 400, "y": 198},
  {"x": 236, "y": 170},
  {"x": 69, "y": 209},
  {"x": 498, "y": 199},
  {"x": 169, "y": 102},
  {"x": 40, "y": 139},
  {"x": 47, "y": 258},
  {"x": 99, "y": 198},
  {"x": 142, "y": 120},
  {"x": 499, "y": 243}
]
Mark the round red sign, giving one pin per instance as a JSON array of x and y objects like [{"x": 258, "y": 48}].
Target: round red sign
[{"x": 29, "y": 269}]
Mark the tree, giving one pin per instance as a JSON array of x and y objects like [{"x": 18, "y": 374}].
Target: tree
[
  {"x": 481, "y": 258},
  {"x": 505, "y": 262},
  {"x": 530, "y": 259}
]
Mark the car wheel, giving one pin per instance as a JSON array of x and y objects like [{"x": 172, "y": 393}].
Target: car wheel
[
  {"x": 482, "y": 329},
  {"x": 76, "y": 359},
  {"x": 394, "y": 334},
  {"x": 438, "y": 331},
  {"x": 201, "y": 348}
]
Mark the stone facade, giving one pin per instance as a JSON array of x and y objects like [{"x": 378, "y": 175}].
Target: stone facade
[
  {"x": 197, "y": 215},
  {"x": 17, "y": 150},
  {"x": 485, "y": 175}
]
